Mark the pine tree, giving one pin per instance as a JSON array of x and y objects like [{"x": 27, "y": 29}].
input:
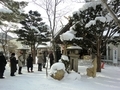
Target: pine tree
[
  {"x": 93, "y": 35},
  {"x": 34, "y": 31},
  {"x": 15, "y": 10},
  {"x": 115, "y": 40}
]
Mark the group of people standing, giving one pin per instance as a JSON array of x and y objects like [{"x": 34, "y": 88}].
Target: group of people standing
[
  {"x": 19, "y": 61},
  {"x": 13, "y": 64}
]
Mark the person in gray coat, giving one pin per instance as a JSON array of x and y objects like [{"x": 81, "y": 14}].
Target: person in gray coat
[
  {"x": 20, "y": 63},
  {"x": 40, "y": 61}
]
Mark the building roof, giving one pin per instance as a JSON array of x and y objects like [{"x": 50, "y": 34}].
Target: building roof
[{"x": 61, "y": 31}]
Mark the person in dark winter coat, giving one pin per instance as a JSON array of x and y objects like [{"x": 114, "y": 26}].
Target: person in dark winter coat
[
  {"x": 45, "y": 53},
  {"x": 3, "y": 63},
  {"x": 40, "y": 61},
  {"x": 13, "y": 64},
  {"x": 51, "y": 58},
  {"x": 30, "y": 63}
]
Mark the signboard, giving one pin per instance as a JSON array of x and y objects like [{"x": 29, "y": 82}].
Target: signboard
[{"x": 115, "y": 55}]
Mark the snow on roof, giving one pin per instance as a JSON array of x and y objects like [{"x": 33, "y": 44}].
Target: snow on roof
[
  {"x": 42, "y": 46},
  {"x": 74, "y": 47},
  {"x": 23, "y": 48},
  {"x": 68, "y": 35}
]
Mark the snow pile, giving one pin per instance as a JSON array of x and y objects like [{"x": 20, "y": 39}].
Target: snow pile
[
  {"x": 55, "y": 67},
  {"x": 72, "y": 76},
  {"x": 68, "y": 35},
  {"x": 60, "y": 66}
]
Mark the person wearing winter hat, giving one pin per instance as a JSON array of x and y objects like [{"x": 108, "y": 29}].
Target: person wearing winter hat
[{"x": 13, "y": 64}]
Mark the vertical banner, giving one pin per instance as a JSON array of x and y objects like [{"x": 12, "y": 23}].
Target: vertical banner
[{"x": 115, "y": 55}]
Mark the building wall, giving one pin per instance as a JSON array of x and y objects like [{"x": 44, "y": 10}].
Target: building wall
[{"x": 111, "y": 51}]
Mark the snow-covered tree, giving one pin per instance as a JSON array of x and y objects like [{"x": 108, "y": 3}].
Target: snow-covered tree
[
  {"x": 106, "y": 4},
  {"x": 10, "y": 11},
  {"x": 95, "y": 26},
  {"x": 33, "y": 31}
]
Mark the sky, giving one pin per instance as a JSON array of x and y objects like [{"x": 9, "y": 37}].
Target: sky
[
  {"x": 108, "y": 79},
  {"x": 67, "y": 6}
]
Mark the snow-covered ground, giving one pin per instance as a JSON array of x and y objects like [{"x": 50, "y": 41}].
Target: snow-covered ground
[{"x": 108, "y": 79}]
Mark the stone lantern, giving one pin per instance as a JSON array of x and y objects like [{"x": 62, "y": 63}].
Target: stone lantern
[{"x": 74, "y": 56}]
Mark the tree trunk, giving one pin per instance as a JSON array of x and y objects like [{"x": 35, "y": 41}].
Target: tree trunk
[
  {"x": 34, "y": 54},
  {"x": 98, "y": 57},
  {"x": 54, "y": 48},
  {"x": 98, "y": 63}
]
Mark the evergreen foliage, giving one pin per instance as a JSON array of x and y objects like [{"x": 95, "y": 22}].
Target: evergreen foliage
[
  {"x": 91, "y": 34},
  {"x": 115, "y": 40},
  {"x": 16, "y": 9},
  {"x": 99, "y": 31},
  {"x": 34, "y": 30},
  {"x": 97, "y": 35}
]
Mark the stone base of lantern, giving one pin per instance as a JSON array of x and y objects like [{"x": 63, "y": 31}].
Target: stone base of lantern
[{"x": 74, "y": 62}]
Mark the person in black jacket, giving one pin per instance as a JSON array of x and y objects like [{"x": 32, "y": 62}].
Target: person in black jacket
[
  {"x": 3, "y": 63},
  {"x": 13, "y": 64},
  {"x": 30, "y": 63},
  {"x": 51, "y": 56},
  {"x": 45, "y": 53}
]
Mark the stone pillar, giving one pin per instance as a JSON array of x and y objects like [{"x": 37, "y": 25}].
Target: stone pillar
[{"x": 74, "y": 62}]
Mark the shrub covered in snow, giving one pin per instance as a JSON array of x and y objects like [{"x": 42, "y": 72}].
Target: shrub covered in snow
[
  {"x": 66, "y": 62},
  {"x": 57, "y": 71}
]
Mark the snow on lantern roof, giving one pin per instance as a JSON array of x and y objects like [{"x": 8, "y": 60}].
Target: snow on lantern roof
[
  {"x": 74, "y": 47},
  {"x": 42, "y": 46},
  {"x": 23, "y": 47}
]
